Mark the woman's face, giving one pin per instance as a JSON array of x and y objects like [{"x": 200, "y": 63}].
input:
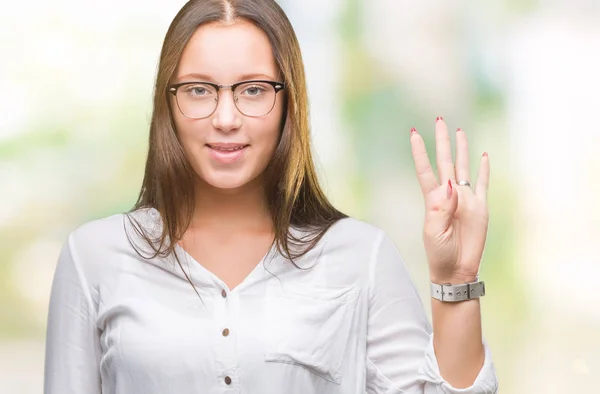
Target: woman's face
[{"x": 226, "y": 54}]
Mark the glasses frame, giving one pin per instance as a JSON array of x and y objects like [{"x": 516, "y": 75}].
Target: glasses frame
[{"x": 278, "y": 86}]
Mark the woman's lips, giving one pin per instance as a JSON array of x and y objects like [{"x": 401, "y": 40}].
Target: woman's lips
[{"x": 227, "y": 156}]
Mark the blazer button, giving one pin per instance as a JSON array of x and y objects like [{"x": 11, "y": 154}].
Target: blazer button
[
  {"x": 227, "y": 380},
  {"x": 226, "y": 332},
  {"x": 223, "y": 293}
]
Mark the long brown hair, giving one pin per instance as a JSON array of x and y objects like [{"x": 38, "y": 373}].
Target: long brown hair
[{"x": 294, "y": 196}]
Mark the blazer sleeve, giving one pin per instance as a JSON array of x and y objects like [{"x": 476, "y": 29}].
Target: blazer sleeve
[
  {"x": 72, "y": 339},
  {"x": 400, "y": 353}
]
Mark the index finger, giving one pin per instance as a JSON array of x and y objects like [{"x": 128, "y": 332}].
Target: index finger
[{"x": 425, "y": 173}]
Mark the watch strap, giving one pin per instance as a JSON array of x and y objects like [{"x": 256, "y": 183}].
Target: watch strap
[{"x": 457, "y": 293}]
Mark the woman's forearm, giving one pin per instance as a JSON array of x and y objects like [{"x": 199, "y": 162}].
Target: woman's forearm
[{"x": 457, "y": 340}]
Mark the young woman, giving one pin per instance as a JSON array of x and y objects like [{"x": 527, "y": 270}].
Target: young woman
[{"x": 234, "y": 274}]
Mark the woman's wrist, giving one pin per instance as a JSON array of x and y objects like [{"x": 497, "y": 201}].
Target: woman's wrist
[{"x": 454, "y": 279}]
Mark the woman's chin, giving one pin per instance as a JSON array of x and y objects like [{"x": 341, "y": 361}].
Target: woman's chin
[{"x": 225, "y": 182}]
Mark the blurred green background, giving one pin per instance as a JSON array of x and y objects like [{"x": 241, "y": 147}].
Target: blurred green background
[{"x": 521, "y": 78}]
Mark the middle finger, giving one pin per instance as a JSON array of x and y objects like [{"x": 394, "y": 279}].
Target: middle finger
[{"x": 443, "y": 152}]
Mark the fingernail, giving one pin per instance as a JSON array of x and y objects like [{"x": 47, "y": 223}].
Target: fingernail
[
  {"x": 459, "y": 129},
  {"x": 449, "y": 190},
  {"x": 413, "y": 131},
  {"x": 484, "y": 154},
  {"x": 438, "y": 119}
]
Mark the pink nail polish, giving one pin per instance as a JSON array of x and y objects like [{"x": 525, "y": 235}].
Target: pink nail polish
[
  {"x": 449, "y": 190},
  {"x": 438, "y": 119},
  {"x": 459, "y": 129},
  {"x": 413, "y": 131},
  {"x": 485, "y": 154}
]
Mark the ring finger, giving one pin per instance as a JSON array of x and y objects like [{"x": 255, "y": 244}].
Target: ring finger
[{"x": 462, "y": 157}]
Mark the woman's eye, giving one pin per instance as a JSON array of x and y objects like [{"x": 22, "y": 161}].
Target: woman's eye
[
  {"x": 197, "y": 91},
  {"x": 253, "y": 90}
]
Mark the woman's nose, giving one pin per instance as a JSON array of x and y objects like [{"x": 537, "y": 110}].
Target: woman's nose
[{"x": 226, "y": 117}]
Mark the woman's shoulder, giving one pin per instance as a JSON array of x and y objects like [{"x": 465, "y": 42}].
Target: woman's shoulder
[
  {"x": 356, "y": 232},
  {"x": 99, "y": 247},
  {"x": 110, "y": 232}
]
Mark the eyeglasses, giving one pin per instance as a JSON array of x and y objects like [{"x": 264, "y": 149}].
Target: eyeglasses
[{"x": 198, "y": 100}]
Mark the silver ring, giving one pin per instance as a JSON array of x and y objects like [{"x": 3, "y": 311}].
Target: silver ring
[{"x": 463, "y": 183}]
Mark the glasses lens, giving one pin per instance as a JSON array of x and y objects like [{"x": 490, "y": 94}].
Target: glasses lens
[
  {"x": 255, "y": 98},
  {"x": 197, "y": 100}
]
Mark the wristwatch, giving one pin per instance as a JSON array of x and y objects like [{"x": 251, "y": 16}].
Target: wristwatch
[{"x": 456, "y": 293}]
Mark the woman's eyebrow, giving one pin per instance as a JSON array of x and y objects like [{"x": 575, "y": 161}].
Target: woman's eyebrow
[
  {"x": 195, "y": 76},
  {"x": 246, "y": 77},
  {"x": 204, "y": 77}
]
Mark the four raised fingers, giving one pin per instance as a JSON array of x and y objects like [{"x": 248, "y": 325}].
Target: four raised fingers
[{"x": 446, "y": 168}]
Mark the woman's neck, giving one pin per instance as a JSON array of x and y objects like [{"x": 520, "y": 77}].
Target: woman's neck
[{"x": 240, "y": 209}]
